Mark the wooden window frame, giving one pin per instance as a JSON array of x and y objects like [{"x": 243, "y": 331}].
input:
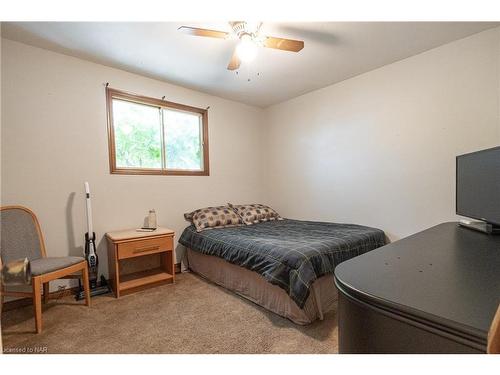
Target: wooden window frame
[{"x": 140, "y": 99}]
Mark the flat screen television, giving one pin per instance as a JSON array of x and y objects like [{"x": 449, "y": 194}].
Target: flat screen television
[{"x": 478, "y": 186}]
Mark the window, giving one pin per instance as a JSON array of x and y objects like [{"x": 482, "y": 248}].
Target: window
[{"x": 153, "y": 136}]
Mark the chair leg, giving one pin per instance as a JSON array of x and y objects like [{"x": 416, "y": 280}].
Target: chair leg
[
  {"x": 86, "y": 285},
  {"x": 37, "y": 302},
  {"x": 46, "y": 292}
]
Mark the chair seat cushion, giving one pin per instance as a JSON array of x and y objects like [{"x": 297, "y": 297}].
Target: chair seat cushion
[{"x": 45, "y": 265}]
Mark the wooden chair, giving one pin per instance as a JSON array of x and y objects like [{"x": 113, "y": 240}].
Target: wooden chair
[
  {"x": 494, "y": 334},
  {"x": 22, "y": 237}
]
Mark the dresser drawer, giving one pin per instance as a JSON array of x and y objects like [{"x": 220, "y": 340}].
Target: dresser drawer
[{"x": 144, "y": 247}]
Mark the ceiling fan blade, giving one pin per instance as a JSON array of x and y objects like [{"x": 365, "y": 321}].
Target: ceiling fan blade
[
  {"x": 235, "y": 62},
  {"x": 203, "y": 32},
  {"x": 283, "y": 44}
]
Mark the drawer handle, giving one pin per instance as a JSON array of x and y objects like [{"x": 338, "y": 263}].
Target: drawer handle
[{"x": 144, "y": 249}]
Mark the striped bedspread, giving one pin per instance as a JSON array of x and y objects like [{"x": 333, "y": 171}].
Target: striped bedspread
[{"x": 289, "y": 253}]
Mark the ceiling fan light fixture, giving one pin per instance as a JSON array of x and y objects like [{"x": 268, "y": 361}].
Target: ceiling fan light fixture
[
  {"x": 250, "y": 39},
  {"x": 253, "y": 27},
  {"x": 246, "y": 49}
]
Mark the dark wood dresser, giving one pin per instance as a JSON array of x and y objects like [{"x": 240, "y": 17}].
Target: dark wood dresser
[{"x": 434, "y": 292}]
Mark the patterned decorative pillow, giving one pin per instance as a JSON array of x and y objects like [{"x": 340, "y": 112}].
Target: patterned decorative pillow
[
  {"x": 255, "y": 213},
  {"x": 213, "y": 217},
  {"x": 188, "y": 216}
]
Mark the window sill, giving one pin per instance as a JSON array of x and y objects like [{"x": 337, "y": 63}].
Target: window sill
[{"x": 157, "y": 172}]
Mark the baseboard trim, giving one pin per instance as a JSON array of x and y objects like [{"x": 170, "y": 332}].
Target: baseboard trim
[{"x": 22, "y": 302}]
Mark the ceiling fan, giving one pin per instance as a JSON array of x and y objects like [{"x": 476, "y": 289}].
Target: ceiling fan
[{"x": 250, "y": 39}]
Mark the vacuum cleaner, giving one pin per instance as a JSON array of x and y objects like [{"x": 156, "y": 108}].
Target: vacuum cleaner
[{"x": 96, "y": 288}]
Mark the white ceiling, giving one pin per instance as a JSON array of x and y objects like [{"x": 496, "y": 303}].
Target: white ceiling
[{"x": 334, "y": 51}]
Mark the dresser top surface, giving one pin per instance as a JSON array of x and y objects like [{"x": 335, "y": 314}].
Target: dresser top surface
[{"x": 446, "y": 274}]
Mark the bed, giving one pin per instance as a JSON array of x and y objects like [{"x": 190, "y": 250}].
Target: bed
[{"x": 285, "y": 266}]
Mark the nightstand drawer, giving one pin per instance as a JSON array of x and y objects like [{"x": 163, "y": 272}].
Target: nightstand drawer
[{"x": 144, "y": 247}]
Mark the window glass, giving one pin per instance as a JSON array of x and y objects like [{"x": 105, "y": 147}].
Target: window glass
[
  {"x": 183, "y": 140},
  {"x": 137, "y": 130}
]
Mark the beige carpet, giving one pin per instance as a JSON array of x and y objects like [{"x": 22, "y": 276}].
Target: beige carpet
[{"x": 192, "y": 316}]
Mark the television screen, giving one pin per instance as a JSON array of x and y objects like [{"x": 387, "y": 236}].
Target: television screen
[{"x": 478, "y": 185}]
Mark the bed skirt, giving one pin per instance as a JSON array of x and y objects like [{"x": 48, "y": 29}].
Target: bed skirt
[{"x": 257, "y": 289}]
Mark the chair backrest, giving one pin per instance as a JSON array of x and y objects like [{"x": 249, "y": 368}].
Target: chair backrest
[
  {"x": 494, "y": 334},
  {"x": 20, "y": 234}
]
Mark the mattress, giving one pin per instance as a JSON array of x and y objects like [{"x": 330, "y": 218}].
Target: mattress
[{"x": 289, "y": 254}]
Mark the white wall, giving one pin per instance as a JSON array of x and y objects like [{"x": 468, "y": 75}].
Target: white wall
[
  {"x": 54, "y": 137},
  {"x": 379, "y": 149}
]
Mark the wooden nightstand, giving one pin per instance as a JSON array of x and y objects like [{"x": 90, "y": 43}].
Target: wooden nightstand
[{"x": 128, "y": 244}]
